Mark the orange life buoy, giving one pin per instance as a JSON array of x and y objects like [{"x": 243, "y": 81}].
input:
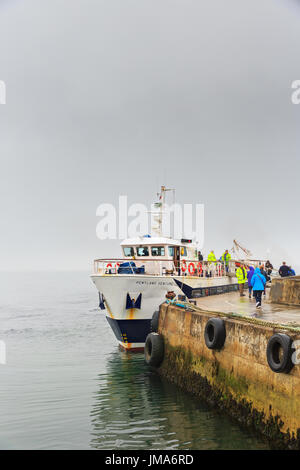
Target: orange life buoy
[
  {"x": 199, "y": 268},
  {"x": 191, "y": 269}
]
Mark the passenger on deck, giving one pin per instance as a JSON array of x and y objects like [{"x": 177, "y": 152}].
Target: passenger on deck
[
  {"x": 212, "y": 260},
  {"x": 258, "y": 282},
  {"x": 211, "y": 257},
  {"x": 291, "y": 271},
  {"x": 225, "y": 258},
  {"x": 284, "y": 270},
  {"x": 200, "y": 256}
]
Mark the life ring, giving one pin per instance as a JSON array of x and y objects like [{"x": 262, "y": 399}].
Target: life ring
[
  {"x": 191, "y": 269},
  {"x": 215, "y": 333},
  {"x": 183, "y": 266},
  {"x": 199, "y": 268},
  {"x": 154, "y": 349},
  {"x": 279, "y": 353},
  {"x": 109, "y": 265}
]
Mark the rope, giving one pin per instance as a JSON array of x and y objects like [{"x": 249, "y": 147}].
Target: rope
[{"x": 238, "y": 316}]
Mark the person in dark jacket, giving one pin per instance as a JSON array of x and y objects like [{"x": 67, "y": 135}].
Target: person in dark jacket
[
  {"x": 284, "y": 270},
  {"x": 258, "y": 283},
  {"x": 265, "y": 275},
  {"x": 269, "y": 267},
  {"x": 249, "y": 277},
  {"x": 291, "y": 271}
]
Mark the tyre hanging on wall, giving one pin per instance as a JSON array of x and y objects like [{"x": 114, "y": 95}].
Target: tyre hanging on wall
[
  {"x": 279, "y": 353},
  {"x": 154, "y": 349},
  {"x": 154, "y": 321},
  {"x": 215, "y": 333}
]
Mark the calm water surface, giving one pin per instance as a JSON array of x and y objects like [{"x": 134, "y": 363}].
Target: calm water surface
[{"x": 67, "y": 386}]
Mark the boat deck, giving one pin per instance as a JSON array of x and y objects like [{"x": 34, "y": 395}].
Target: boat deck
[{"x": 232, "y": 303}]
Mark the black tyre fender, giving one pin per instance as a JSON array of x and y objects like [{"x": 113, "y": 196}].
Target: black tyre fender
[
  {"x": 215, "y": 333},
  {"x": 154, "y": 349},
  {"x": 154, "y": 321},
  {"x": 279, "y": 353}
]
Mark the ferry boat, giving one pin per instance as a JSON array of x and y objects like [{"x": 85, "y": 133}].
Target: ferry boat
[{"x": 133, "y": 286}]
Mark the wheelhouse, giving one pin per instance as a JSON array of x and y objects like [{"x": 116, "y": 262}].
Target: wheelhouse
[{"x": 158, "y": 248}]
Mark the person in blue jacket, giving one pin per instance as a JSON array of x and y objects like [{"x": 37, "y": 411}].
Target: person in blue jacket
[
  {"x": 249, "y": 277},
  {"x": 258, "y": 283},
  {"x": 291, "y": 271}
]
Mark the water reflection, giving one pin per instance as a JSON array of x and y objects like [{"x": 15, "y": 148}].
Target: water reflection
[{"x": 136, "y": 409}]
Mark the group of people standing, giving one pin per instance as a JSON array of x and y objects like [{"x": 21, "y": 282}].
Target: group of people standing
[
  {"x": 285, "y": 270},
  {"x": 225, "y": 258},
  {"x": 256, "y": 278}
]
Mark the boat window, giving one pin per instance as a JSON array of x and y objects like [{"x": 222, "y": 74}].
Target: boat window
[
  {"x": 142, "y": 251},
  {"x": 183, "y": 251},
  {"x": 171, "y": 250},
  {"x": 158, "y": 251},
  {"x": 128, "y": 251}
]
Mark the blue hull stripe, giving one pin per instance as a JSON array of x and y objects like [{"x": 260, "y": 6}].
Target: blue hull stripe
[{"x": 130, "y": 331}]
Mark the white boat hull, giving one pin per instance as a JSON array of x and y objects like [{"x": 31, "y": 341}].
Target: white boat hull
[{"x": 131, "y": 325}]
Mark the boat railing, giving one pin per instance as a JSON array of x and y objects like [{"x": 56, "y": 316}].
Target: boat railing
[{"x": 165, "y": 267}]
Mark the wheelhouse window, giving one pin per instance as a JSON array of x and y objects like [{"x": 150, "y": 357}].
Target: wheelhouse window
[
  {"x": 142, "y": 251},
  {"x": 158, "y": 251},
  {"x": 128, "y": 251},
  {"x": 171, "y": 250}
]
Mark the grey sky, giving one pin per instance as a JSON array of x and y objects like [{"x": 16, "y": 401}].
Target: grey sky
[{"x": 120, "y": 96}]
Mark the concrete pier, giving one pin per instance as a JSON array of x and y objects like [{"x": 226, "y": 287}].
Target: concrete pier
[
  {"x": 286, "y": 290},
  {"x": 237, "y": 378}
]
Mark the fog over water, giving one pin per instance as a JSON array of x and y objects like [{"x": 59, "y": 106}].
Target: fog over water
[{"x": 109, "y": 98}]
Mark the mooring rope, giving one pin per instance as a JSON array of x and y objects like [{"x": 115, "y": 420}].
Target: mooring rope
[{"x": 246, "y": 319}]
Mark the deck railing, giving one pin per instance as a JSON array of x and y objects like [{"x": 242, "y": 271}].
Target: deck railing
[{"x": 191, "y": 268}]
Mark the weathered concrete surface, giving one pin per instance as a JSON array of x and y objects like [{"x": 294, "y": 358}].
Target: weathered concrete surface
[
  {"x": 233, "y": 303},
  {"x": 237, "y": 378},
  {"x": 286, "y": 290}
]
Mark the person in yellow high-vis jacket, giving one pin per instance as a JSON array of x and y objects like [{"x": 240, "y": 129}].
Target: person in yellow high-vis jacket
[
  {"x": 226, "y": 257},
  {"x": 211, "y": 258},
  {"x": 241, "y": 274}
]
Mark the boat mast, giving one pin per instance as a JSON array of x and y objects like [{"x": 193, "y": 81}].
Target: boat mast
[{"x": 158, "y": 216}]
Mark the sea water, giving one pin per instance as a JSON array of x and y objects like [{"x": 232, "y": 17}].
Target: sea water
[{"x": 66, "y": 384}]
